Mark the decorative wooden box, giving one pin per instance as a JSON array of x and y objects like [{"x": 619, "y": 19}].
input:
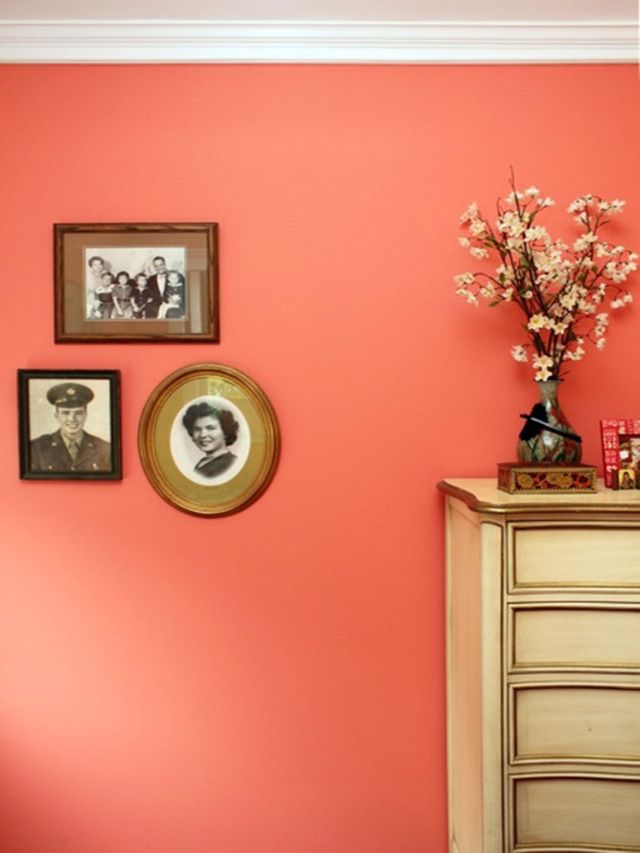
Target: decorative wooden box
[{"x": 526, "y": 479}]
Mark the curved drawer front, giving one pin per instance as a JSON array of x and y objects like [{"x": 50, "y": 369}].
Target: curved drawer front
[
  {"x": 575, "y": 637},
  {"x": 575, "y": 723},
  {"x": 577, "y": 812},
  {"x": 565, "y": 556}
]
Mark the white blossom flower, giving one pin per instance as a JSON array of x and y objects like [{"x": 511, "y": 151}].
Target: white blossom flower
[
  {"x": 616, "y": 206},
  {"x": 470, "y": 213},
  {"x": 478, "y": 252},
  {"x": 582, "y": 243},
  {"x": 471, "y": 298},
  {"x": 575, "y": 354},
  {"x": 532, "y": 191},
  {"x": 512, "y": 224},
  {"x": 505, "y": 273},
  {"x": 538, "y": 322},
  {"x": 577, "y": 205},
  {"x": 600, "y": 343},
  {"x": 464, "y": 278},
  {"x": 616, "y": 273},
  {"x": 587, "y": 263},
  {"x": 465, "y": 242},
  {"x": 519, "y": 353},
  {"x": 488, "y": 291},
  {"x": 542, "y": 365},
  {"x": 536, "y": 233},
  {"x": 621, "y": 301},
  {"x": 477, "y": 228},
  {"x": 602, "y": 321}
]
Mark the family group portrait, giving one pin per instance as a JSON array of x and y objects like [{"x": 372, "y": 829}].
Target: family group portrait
[{"x": 135, "y": 283}]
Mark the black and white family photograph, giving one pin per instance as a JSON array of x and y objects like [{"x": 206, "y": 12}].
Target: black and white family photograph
[
  {"x": 69, "y": 424},
  {"x": 128, "y": 281},
  {"x": 135, "y": 283},
  {"x": 210, "y": 440}
]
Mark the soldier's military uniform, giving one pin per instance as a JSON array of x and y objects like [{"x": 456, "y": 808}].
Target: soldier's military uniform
[{"x": 50, "y": 453}]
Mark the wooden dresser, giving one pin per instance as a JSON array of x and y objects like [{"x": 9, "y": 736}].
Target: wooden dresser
[{"x": 543, "y": 670}]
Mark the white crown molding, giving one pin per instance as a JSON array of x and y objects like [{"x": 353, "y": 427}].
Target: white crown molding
[{"x": 162, "y": 41}]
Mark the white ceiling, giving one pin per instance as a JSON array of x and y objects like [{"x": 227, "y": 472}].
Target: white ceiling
[
  {"x": 318, "y": 31},
  {"x": 321, "y": 10}
]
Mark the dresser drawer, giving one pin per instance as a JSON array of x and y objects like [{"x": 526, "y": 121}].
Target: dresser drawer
[
  {"x": 576, "y": 722},
  {"x": 572, "y": 637},
  {"x": 574, "y": 556},
  {"x": 576, "y": 813}
]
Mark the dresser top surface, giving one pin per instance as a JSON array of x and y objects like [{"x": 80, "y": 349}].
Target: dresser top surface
[{"x": 483, "y": 495}]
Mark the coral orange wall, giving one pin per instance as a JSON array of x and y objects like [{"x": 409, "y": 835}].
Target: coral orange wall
[{"x": 273, "y": 682}]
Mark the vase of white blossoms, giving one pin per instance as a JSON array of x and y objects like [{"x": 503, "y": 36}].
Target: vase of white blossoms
[{"x": 566, "y": 293}]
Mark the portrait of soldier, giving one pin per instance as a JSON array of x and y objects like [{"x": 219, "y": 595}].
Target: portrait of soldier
[{"x": 70, "y": 447}]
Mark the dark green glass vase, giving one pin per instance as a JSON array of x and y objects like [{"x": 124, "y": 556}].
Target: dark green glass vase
[{"x": 548, "y": 446}]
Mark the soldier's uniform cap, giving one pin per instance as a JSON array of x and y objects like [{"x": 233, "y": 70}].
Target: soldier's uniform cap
[{"x": 69, "y": 395}]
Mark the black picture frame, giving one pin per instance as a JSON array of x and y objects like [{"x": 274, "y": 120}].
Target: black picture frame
[{"x": 53, "y": 408}]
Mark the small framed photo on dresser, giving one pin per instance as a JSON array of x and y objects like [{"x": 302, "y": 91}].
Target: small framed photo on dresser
[
  {"x": 148, "y": 282},
  {"x": 620, "y": 439},
  {"x": 69, "y": 424}
]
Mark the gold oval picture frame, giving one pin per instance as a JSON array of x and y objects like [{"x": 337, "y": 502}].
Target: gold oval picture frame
[{"x": 209, "y": 440}]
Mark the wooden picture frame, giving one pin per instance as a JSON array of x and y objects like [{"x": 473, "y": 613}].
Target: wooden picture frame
[
  {"x": 209, "y": 440},
  {"x": 136, "y": 282},
  {"x": 620, "y": 448},
  {"x": 54, "y": 407}
]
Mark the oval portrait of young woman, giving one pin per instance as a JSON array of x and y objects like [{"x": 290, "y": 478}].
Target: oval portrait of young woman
[{"x": 209, "y": 439}]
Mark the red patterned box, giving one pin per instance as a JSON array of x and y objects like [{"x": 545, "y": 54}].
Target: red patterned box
[{"x": 528, "y": 479}]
